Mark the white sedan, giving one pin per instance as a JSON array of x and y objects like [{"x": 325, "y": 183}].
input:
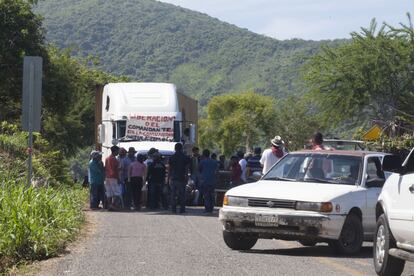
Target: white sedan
[{"x": 308, "y": 196}]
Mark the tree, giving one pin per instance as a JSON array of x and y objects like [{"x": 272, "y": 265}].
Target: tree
[
  {"x": 371, "y": 77},
  {"x": 237, "y": 120},
  {"x": 68, "y": 83},
  {"x": 21, "y": 34},
  {"x": 295, "y": 122}
]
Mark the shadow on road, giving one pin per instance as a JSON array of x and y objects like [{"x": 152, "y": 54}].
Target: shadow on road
[
  {"x": 312, "y": 251},
  {"x": 190, "y": 211}
]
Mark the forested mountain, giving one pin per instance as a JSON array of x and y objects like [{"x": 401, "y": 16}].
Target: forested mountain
[{"x": 153, "y": 41}]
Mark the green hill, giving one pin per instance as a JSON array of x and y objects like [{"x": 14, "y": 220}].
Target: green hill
[{"x": 153, "y": 41}]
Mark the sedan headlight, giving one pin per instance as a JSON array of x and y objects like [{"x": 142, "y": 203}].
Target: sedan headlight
[
  {"x": 325, "y": 207},
  {"x": 235, "y": 201}
]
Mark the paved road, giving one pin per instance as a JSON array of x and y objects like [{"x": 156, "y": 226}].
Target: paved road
[{"x": 160, "y": 243}]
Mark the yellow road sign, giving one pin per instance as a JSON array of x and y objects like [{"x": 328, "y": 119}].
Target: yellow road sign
[{"x": 372, "y": 134}]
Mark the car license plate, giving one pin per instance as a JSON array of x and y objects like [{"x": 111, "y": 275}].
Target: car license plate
[{"x": 266, "y": 220}]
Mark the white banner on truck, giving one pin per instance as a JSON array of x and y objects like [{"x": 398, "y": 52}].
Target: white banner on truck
[{"x": 150, "y": 128}]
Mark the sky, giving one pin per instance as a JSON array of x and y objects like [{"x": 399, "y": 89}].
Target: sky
[{"x": 306, "y": 19}]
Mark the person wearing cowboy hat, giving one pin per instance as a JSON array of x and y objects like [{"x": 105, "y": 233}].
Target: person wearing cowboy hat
[{"x": 272, "y": 155}]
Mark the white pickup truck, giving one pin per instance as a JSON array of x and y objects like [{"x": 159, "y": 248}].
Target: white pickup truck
[{"x": 394, "y": 241}]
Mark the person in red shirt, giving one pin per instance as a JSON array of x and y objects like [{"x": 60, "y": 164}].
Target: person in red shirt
[
  {"x": 112, "y": 187},
  {"x": 236, "y": 171}
]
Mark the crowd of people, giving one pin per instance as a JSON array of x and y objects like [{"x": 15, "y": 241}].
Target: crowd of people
[{"x": 118, "y": 182}]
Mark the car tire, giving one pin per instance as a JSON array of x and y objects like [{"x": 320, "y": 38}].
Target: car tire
[
  {"x": 384, "y": 263},
  {"x": 237, "y": 241},
  {"x": 308, "y": 242},
  {"x": 351, "y": 238}
]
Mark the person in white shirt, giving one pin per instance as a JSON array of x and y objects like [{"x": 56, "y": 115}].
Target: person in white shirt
[
  {"x": 272, "y": 155},
  {"x": 243, "y": 164}
]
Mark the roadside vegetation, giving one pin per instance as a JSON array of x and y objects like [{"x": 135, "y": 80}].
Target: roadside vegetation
[
  {"x": 367, "y": 80},
  {"x": 246, "y": 120},
  {"x": 35, "y": 222}
]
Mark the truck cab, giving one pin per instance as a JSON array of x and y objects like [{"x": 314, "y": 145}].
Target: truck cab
[{"x": 144, "y": 115}]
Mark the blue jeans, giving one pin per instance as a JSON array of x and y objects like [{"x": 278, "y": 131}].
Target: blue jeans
[
  {"x": 177, "y": 190},
  {"x": 208, "y": 194}
]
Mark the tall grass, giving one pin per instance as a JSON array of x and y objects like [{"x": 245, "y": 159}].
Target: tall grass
[{"x": 35, "y": 223}]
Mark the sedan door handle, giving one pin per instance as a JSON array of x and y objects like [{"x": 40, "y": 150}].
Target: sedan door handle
[{"x": 411, "y": 188}]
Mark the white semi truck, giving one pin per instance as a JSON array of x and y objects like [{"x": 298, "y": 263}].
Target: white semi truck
[{"x": 144, "y": 115}]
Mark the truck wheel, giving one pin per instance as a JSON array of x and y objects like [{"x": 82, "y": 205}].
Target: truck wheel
[
  {"x": 351, "y": 238},
  {"x": 384, "y": 263},
  {"x": 307, "y": 242},
  {"x": 237, "y": 241}
]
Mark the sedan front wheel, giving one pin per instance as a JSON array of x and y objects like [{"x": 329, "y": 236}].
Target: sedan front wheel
[
  {"x": 238, "y": 241},
  {"x": 351, "y": 238}
]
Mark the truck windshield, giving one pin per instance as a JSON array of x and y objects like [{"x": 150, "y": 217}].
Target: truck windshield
[{"x": 321, "y": 168}]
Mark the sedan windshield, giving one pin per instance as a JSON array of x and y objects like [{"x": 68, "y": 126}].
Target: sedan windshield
[{"x": 322, "y": 168}]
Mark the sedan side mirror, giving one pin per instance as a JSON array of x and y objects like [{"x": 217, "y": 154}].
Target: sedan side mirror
[{"x": 392, "y": 163}]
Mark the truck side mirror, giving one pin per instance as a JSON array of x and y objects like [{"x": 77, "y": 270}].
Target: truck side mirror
[
  {"x": 193, "y": 130},
  {"x": 101, "y": 134},
  {"x": 392, "y": 163}
]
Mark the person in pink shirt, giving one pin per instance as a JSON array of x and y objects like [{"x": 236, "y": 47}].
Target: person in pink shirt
[{"x": 136, "y": 176}]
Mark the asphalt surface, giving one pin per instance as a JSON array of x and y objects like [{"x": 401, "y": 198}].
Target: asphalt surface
[{"x": 161, "y": 243}]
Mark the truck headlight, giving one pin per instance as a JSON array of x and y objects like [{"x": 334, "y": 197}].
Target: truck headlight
[
  {"x": 235, "y": 201},
  {"x": 325, "y": 207}
]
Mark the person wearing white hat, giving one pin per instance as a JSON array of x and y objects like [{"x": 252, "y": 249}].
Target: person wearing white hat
[{"x": 272, "y": 155}]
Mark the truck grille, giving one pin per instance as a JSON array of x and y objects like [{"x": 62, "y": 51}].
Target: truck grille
[{"x": 271, "y": 203}]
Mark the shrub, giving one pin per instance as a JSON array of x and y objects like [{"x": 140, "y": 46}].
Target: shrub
[{"x": 35, "y": 223}]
